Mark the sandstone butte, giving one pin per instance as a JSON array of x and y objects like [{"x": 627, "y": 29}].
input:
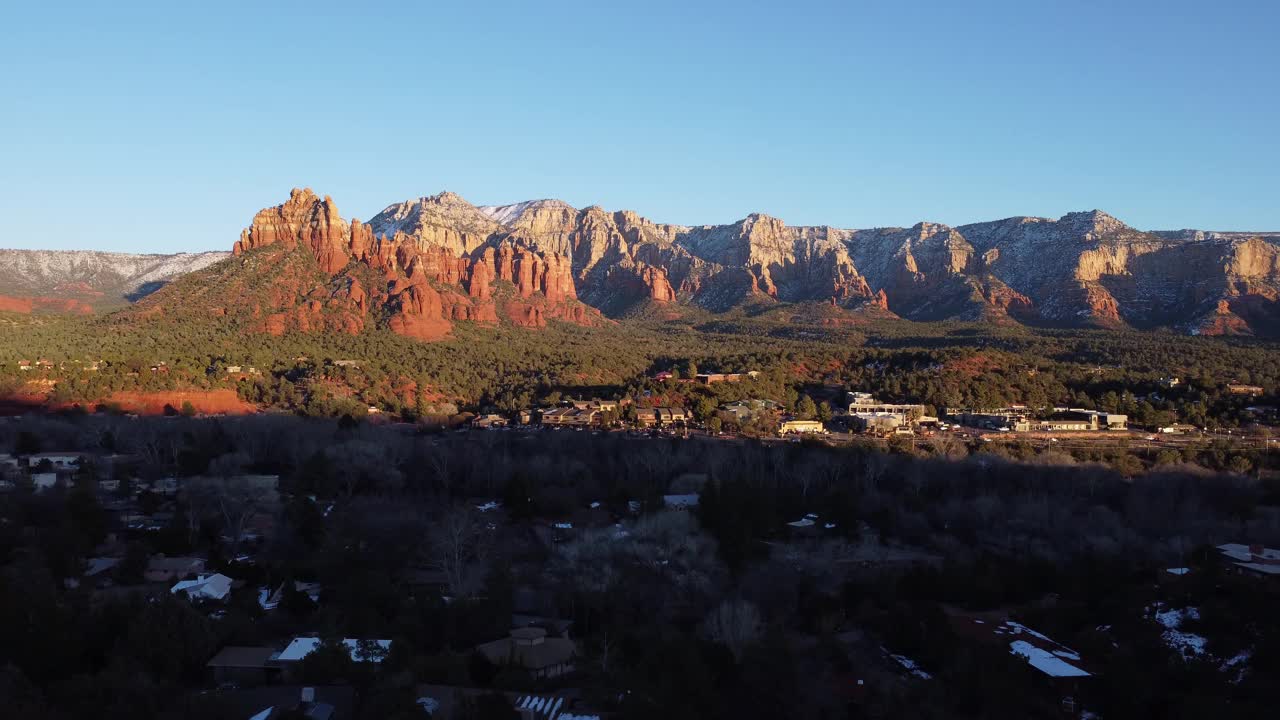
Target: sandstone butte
[{"x": 424, "y": 288}]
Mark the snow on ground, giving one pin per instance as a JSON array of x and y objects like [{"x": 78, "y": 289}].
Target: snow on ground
[
  {"x": 1186, "y": 643},
  {"x": 911, "y": 666}
]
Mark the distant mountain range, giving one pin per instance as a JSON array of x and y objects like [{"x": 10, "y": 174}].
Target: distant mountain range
[
  {"x": 83, "y": 281},
  {"x": 422, "y": 265}
]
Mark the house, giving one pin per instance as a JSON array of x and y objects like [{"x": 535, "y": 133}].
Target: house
[
  {"x": 662, "y": 416},
  {"x": 571, "y": 417},
  {"x": 243, "y": 665},
  {"x": 531, "y": 649},
  {"x": 346, "y": 363},
  {"x": 744, "y": 410},
  {"x": 1254, "y": 559},
  {"x": 1061, "y": 668},
  {"x": 603, "y": 405},
  {"x": 336, "y": 702},
  {"x": 801, "y": 426},
  {"x": 25, "y": 365},
  {"x": 1239, "y": 389},
  {"x": 271, "y": 600},
  {"x": 169, "y": 569},
  {"x": 484, "y": 422},
  {"x": 361, "y": 650},
  {"x": 216, "y": 587},
  {"x": 44, "y": 481},
  {"x": 680, "y": 502},
  {"x": 1170, "y": 382},
  {"x": 57, "y": 460}
]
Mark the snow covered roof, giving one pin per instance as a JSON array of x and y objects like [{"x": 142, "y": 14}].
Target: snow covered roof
[
  {"x": 689, "y": 500},
  {"x": 801, "y": 523},
  {"x": 303, "y": 646},
  {"x": 1256, "y": 558},
  {"x": 205, "y": 587},
  {"x": 1047, "y": 662}
]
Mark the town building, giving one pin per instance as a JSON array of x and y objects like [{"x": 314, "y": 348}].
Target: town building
[
  {"x": 801, "y": 426},
  {"x": 571, "y": 417},
  {"x": 862, "y": 402},
  {"x": 662, "y": 416},
  {"x": 484, "y": 422},
  {"x": 876, "y": 422}
]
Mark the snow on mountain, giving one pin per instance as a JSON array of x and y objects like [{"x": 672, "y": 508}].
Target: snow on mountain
[
  {"x": 509, "y": 214},
  {"x": 106, "y": 277}
]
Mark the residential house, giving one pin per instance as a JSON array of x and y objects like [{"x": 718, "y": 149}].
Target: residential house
[
  {"x": 687, "y": 501},
  {"x": 484, "y": 422},
  {"x": 243, "y": 665},
  {"x": 57, "y": 460},
  {"x": 1062, "y": 669},
  {"x": 44, "y": 481},
  {"x": 274, "y": 702},
  {"x": 216, "y": 588},
  {"x": 745, "y": 410},
  {"x": 1254, "y": 559},
  {"x": 531, "y": 649},
  {"x": 1239, "y": 389},
  {"x": 361, "y": 650},
  {"x": 169, "y": 569}
]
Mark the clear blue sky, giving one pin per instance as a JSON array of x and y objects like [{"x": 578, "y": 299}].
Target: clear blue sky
[{"x": 165, "y": 126}]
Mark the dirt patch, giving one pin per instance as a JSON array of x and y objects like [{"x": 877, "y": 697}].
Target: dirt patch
[{"x": 206, "y": 402}]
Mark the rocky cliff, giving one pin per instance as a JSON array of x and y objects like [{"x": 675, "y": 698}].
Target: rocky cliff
[{"x": 422, "y": 265}]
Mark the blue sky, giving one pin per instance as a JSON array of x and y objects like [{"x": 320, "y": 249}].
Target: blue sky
[{"x": 165, "y": 126}]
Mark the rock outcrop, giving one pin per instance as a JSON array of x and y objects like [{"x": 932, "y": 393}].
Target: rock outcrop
[{"x": 427, "y": 264}]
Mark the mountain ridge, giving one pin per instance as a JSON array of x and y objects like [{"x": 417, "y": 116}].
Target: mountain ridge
[{"x": 422, "y": 264}]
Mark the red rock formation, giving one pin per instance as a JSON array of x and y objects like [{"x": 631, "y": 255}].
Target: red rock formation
[
  {"x": 303, "y": 220},
  {"x": 418, "y": 277},
  {"x": 655, "y": 279}
]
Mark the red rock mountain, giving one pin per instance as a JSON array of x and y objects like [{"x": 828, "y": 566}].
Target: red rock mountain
[
  {"x": 421, "y": 266},
  {"x": 301, "y": 267}
]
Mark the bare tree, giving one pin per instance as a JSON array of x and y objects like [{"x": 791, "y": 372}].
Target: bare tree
[
  {"x": 458, "y": 549},
  {"x": 736, "y": 624}
]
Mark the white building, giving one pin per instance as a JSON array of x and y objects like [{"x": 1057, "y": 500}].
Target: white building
[{"x": 215, "y": 587}]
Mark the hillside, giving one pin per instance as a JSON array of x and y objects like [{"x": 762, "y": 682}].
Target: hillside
[{"x": 85, "y": 280}]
